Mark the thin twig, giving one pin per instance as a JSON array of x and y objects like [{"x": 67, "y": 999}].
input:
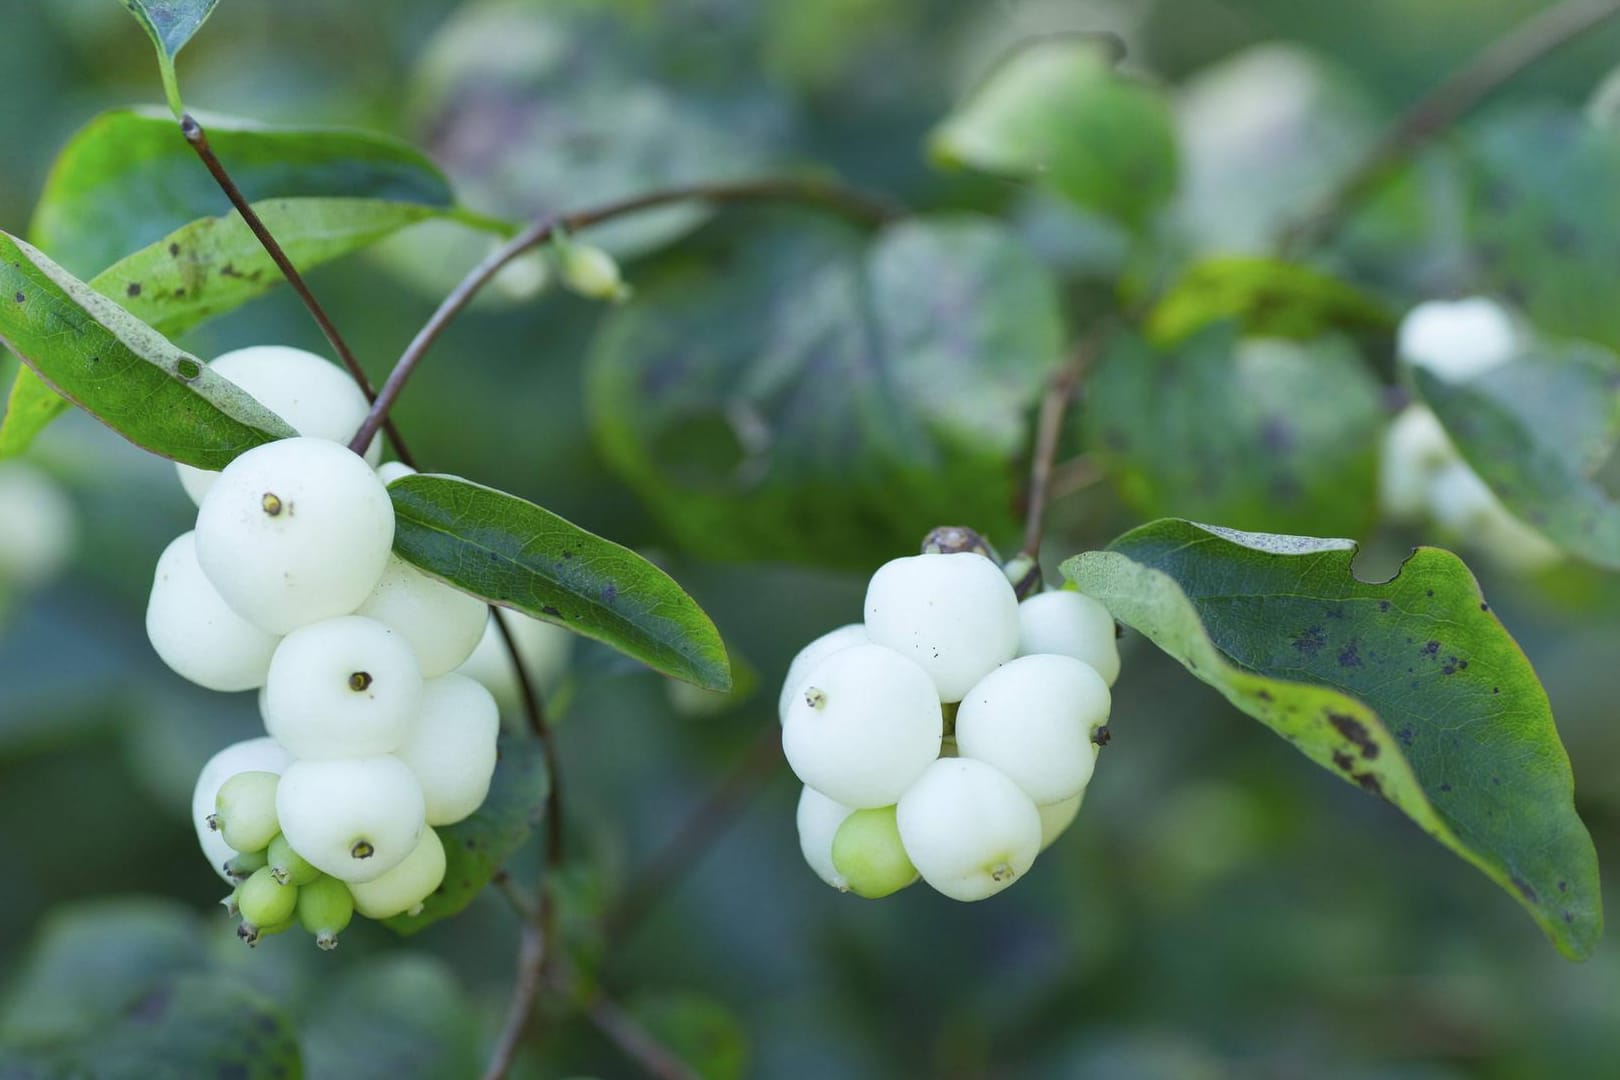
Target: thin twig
[
  {"x": 701, "y": 829},
  {"x": 1442, "y": 107},
  {"x": 1060, "y": 394},
  {"x": 526, "y": 987},
  {"x": 637, "y": 1042},
  {"x": 198, "y": 140},
  {"x": 858, "y": 205},
  {"x": 535, "y": 710}
]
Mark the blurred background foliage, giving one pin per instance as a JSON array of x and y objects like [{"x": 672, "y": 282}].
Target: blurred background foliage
[{"x": 1219, "y": 910}]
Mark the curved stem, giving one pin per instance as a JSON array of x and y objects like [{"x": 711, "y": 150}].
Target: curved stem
[
  {"x": 1060, "y": 395},
  {"x": 198, "y": 140},
  {"x": 847, "y": 201},
  {"x": 535, "y": 710},
  {"x": 525, "y": 989},
  {"x": 1442, "y": 107},
  {"x": 637, "y": 1042}
]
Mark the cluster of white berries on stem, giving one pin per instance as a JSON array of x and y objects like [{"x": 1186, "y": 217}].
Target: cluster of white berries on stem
[
  {"x": 289, "y": 586},
  {"x": 952, "y": 734}
]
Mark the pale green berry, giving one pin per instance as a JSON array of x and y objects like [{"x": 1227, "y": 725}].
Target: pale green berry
[
  {"x": 869, "y": 856},
  {"x": 812, "y": 655},
  {"x": 818, "y": 819},
  {"x": 238, "y": 867},
  {"x": 1073, "y": 624},
  {"x": 968, "y": 829},
  {"x": 264, "y": 902},
  {"x": 442, "y": 625},
  {"x": 1415, "y": 451},
  {"x": 316, "y": 398},
  {"x": 1033, "y": 719},
  {"x": 344, "y": 687},
  {"x": 325, "y": 907},
  {"x": 544, "y": 647},
  {"x": 286, "y": 865},
  {"x": 245, "y": 810},
  {"x": 1056, "y": 817},
  {"x": 262, "y": 754},
  {"x": 591, "y": 272},
  {"x": 294, "y": 532},
  {"x": 195, "y": 632},
  {"x": 953, "y": 615},
  {"x": 451, "y": 748},
  {"x": 402, "y": 890},
  {"x": 865, "y": 725}
]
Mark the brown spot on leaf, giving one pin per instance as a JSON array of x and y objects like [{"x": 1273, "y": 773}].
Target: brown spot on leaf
[
  {"x": 1524, "y": 889},
  {"x": 1356, "y": 732},
  {"x": 1370, "y": 783},
  {"x": 133, "y": 289},
  {"x": 1350, "y": 656},
  {"x": 1310, "y": 641}
]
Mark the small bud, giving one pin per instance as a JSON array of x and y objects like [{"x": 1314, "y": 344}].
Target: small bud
[
  {"x": 591, "y": 272},
  {"x": 245, "y": 810}
]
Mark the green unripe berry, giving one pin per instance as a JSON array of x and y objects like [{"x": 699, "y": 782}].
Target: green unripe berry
[
  {"x": 242, "y": 864},
  {"x": 868, "y": 853},
  {"x": 263, "y": 901},
  {"x": 325, "y": 907},
  {"x": 245, "y": 811},
  {"x": 591, "y": 272},
  {"x": 287, "y": 866}
]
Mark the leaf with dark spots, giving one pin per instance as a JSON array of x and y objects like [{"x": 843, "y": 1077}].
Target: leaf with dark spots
[
  {"x": 501, "y": 549},
  {"x": 1484, "y": 738}
]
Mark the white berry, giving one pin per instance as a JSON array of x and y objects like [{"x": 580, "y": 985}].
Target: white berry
[
  {"x": 545, "y": 650},
  {"x": 451, "y": 748},
  {"x": 354, "y": 818},
  {"x": 1057, "y": 817},
  {"x": 37, "y": 525},
  {"x": 316, "y": 398},
  {"x": 442, "y": 625},
  {"x": 1457, "y": 340},
  {"x": 196, "y": 633},
  {"x": 818, "y": 819},
  {"x": 1033, "y": 719},
  {"x": 865, "y": 725},
  {"x": 1070, "y": 624},
  {"x": 811, "y": 655},
  {"x": 254, "y": 755},
  {"x": 402, "y": 890},
  {"x": 955, "y": 616},
  {"x": 344, "y": 687},
  {"x": 968, "y": 829},
  {"x": 1415, "y": 450},
  {"x": 295, "y": 531},
  {"x": 389, "y": 471}
]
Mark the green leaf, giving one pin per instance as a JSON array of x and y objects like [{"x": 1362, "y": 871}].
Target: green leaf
[
  {"x": 589, "y": 112},
  {"x": 800, "y": 391},
  {"x": 1543, "y": 432},
  {"x": 1057, "y": 111},
  {"x": 207, "y": 268},
  {"x": 1410, "y": 688},
  {"x": 698, "y": 1030},
  {"x": 128, "y": 179},
  {"x": 1264, "y": 433},
  {"x": 198, "y": 1025},
  {"x": 401, "y": 1015},
  {"x": 1268, "y": 298},
  {"x": 510, "y": 552},
  {"x": 1543, "y": 217},
  {"x": 121, "y": 371},
  {"x": 476, "y": 848},
  {"x": 170, "y": 24}
]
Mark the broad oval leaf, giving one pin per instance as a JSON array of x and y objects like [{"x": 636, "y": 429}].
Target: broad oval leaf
[
  {"x": 207, "y": 268},
  {"x": 401, "y": 1014},
  {"x": 1268, "y": 298},
  {"x": 199, "y": 1025},
  {"x": 474, "y": 849},
  {"x": 1543, "y": 431},
  {"x": 513, "y": 553},
  {"x": 1410, "y": 688},
  {"x": 1057, "y": 111},
  {"x": 1264, "y": 433},
  {"x": 128, "y": 178},
  {"x": 121, "y": 371},
  {"x": 807, "y": 393}
]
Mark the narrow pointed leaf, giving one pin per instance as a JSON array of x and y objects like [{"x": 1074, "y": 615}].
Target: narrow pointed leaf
[
  {"x": 121, "y": 371},
  {"x": 207, "y": 268},
  {"x": 170, "y": 24},
  {"x": 1544, "y": 432},
  {"x": 513, "y": 553},
  {"x": 476, "y": 848},
  {"x": 1409, "y": 688}
]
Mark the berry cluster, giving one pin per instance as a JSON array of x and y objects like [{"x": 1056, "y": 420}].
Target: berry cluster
[
  {"x": 1422, "y": 476},
  {"x": 951, "y": 736},
  {"x": 288, "y": 585}
]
